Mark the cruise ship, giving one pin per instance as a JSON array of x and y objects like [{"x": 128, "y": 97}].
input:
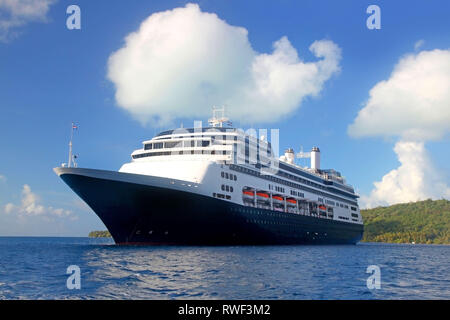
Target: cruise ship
[{"x": 218, "y": 185}]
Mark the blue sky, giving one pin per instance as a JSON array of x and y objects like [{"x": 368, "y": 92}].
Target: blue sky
[{"x": 51, "y": 76}]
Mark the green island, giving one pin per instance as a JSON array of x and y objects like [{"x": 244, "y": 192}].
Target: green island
[
  {"x": 415, "y": 222},
  {"x": 99, "y": 234}
]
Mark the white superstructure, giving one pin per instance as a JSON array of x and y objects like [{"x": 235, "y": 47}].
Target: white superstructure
[{"x": 226, "y": 163}]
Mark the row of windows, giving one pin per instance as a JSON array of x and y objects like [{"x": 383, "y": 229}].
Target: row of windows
[
  {"x": 227, "y": 175},
  {"x": 226, "y": 188},
  {"x": 330, "y": 202},
  {"x": 221, "y": 196},
  {"x": 342, "y": 186},
  {"x": 298, "y": 172},
  {"x": 276, "y": 188},
  {"x": 343, "y": 218},
  {"x": 311, "y": 213},
  {"x": 184, "y": 152},
  {"x": 281, "y": 181},
  {"x": 176, "y": 144},
  {"x": 289, "y": 224},
  {"x": 297, "y": 194}
]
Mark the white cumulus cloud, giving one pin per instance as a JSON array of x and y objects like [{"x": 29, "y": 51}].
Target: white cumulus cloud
[
  {"x": 414, "y": 106},
  {"x": 181, "y": 62},
  {"x": 415, "y": 179},
  {"x": 30, "y": 206},
  {"x": 17, "y": 13},
  {"x": 414, "y": 103}
]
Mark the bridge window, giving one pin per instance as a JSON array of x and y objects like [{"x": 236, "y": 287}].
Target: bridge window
[{"x": 173, "y": 144}]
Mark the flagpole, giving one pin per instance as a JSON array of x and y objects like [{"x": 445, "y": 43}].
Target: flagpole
[{"x": 70, "y": 146}]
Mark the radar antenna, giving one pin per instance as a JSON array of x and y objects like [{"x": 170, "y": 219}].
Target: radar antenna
[
  {"x": 218, "y": 119},
  {"x": 303, "y": 155}
]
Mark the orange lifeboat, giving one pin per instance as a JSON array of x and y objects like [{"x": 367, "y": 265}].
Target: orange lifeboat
[
  {"x": 248, "y": 193},
  {"x": 322, "y": 207},
  {"x": 278, "y": 201},
  {"x": 262, "y": 196},
  {"x": 291, "y": 202}
]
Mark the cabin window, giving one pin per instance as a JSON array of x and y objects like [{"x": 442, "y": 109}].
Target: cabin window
[
  {"x": 158, "y": 145},
  {"x": 148, "y": 146},
  {"x": 175, "y": 144}
]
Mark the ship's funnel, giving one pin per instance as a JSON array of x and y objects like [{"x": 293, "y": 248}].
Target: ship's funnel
[
  {"x": 289, "y": 154},
  {"x": 315, "y": 158}
]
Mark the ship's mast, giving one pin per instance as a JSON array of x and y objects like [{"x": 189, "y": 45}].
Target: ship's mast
[{"x": 70, "y": 144}]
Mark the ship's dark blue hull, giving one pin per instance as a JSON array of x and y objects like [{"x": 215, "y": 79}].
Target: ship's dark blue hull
[{"x": 143, "y": 214}]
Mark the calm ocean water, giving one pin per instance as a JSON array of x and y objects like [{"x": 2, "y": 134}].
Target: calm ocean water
[{"x": 35, "y": 268}]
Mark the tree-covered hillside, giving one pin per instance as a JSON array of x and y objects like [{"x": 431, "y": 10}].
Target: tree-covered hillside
[
  {"x": 99, "y": 234},
  {"x": 420, "y": 222}
]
